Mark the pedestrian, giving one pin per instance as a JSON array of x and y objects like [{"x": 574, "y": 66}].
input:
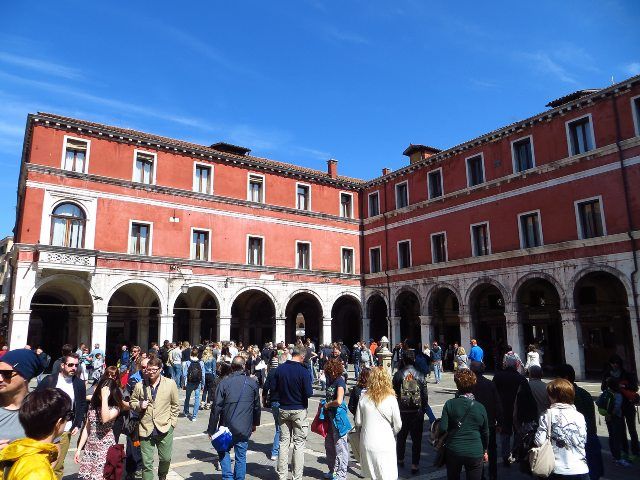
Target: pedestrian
[
  {"x": 66, "y": 350},
  {"x": 209, "y": 362},
  {"x": 465, "y": 422},
  {"x": 436, "y": 359},
  {"x": 193, "y": 372},
  {"x": 133, "y": 463},
  {"x": 366, "y": 358},
  {"x": 426, "y": 351},
  {"x": 158, "y": 410},
  {"x": 538, "y": 388},
  {"x": 533, "y": 358},
  {"x": 378, "y": 417},
  {"x": 357, "y": 390},
  {"x": 476, "y": 354},
  {"x": 42, "y": 415},
  {"x": 511, "y": 357},
  {"x": 567, "y": 430},
  {"x": 461, "y": 358},
  {"x": 45, "y": 360},
  {"x": 356, "y": 357},
  {"x": 271, "y": 400},
  {"x": 175, "y": 359},
  {"x": 97, "y": 434},
  {"x": 237, "y": 407},
  {"x": 293, "y": 385},
  {"x": 610, "y": 405},
  {"x": 67, "y": 381},
  {"x": 335, "y": 443},
  {"x": 98, "y": 368},
  {"x": 124, "y": 359}
]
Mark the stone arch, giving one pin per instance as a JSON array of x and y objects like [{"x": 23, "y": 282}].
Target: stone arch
[
  {"x": 76, "y": 201},
  {"x": 346, "y": 319},
  {"x": 541, "y": 276},
  {"x": 253, "y": 316},
  {"x": 433, "y": 290},
  {"x": 310, "y": 306},
  {"x": 266, "y": 291},
  {"x": 377, "y": 309},
  {"x": 575, "y": 280},
  {"x": 352, "y": 295},
  {"x": 160, "y": 298},
  {"x": 193, "y": 318},
  {"x": 309, "y": 292},
  {"x": 373, "y": 294},
  {"x": 205, "y": 286},
  {"x": 60, "y": 276},
  {"x": 506, "y": 295},
  {"x": 486, "y": 302},
  {"x": 413, "y": 290}
]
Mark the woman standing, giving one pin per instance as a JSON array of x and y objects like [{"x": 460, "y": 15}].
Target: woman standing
[
  {"x": 533, "y": 358},
  {"x": 358, "y": 390},
  {"x": 378, "y": 416},
  {"x": 336, "y": 445},
  {"x": 97, "y": 435},
  {"x": 465, "y": 422},
  {"x": 461, "y": 359},
  {"x": 209, "y": 376}
]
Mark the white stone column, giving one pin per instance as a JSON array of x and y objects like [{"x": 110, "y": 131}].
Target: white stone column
[
  {"x": 635, "y": 337},
  {"x": 326, "y": 330},
  {"x": 84, "y": 330},
  {"x": 280, "y": 330},
  {"x": 514, "y": 333},
  {"x": 465, "y": 331},
  {"x": 194, "y": 329},
  {"x": 143, "y": 331},
  {"x": 165, "y": 330},
  {"x": 395, "y": 332},
  {"x": 99, "y": 330},
  {"x": 18, "y": 329},
  {"x": 366, "y": 329},
  {"x": 572, "y": 337},
  {"x": 224, "y": 328},
  {"x": 426, "y": 329}
]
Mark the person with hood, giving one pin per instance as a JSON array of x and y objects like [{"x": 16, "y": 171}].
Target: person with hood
[{"x": 43, "y": 416}]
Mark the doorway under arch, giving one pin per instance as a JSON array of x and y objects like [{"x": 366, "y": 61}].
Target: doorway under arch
[
  {"x": 346, "y": 321},
  {"x": 489, "y": 323},
  {"x": 253, "y": 317},
  {"x": 377, "y": 314},
  {"x": 303, "y": 309},
  {"x": 408, "y": 309}
]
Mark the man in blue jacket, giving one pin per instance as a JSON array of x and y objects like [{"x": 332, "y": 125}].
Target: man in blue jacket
[{"x": 237, "y": 407}]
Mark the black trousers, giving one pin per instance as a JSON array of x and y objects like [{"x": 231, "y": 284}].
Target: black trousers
[
  {"x": 472, "y": 466},
  {"x": 492, "y": 450},
  {"x": 413, "y": 424}
]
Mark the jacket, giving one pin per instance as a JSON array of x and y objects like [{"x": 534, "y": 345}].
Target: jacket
[
  {"x": 162, "y": 412},
  {"x": 508, "y": 382},
  {"x": 269, "y": 392},
  {"x": 471, "y": 439},
  {"x": 237, "y": 406},
  {"x": 397, "y": 386},
  {"x": 486, "y": 393},
  {"x": 31, "y": 460},
  {"x": 293, "y": 383},
  {"x": 79, "y": 394}
]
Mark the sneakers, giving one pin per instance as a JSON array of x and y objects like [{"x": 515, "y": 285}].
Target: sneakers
[
  {"x": 328, "y": 475},
  {"x": 274, "y": 457},
  {"x": 623, "y": 463},
  {"x": 193, "y": 419}
]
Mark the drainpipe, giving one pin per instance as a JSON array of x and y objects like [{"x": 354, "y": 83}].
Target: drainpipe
[{"x": 386, "y": 263}]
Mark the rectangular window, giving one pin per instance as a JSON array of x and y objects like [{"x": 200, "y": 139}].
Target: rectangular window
[
  {"x": 255, "y": 251},
  {"x": 635, "y": 110},
  {"x": 522, "y": 155},
  {"x": 590, "y": 222},
  {"x": 202, "y": 179},
  {"x": 256, "y": 188},
  {"x": 530, "y": 233},
  {"x": 303, "y": 197},
  {"x": 346, "y": 207},
  {"x": 402, "y": 194},
  {"x": 404, "y": 254},
  {"x": 580, "y": 135},
  {"x": 375, "y": 260},
  {"x": 200, "y": 245},
  {"x": 475, "y": 170},
  {"x": 75, "y": 155},
  {"x": 480, "y": 240},
  {"x": 303, "y": 255},
  {"x": 438, "y": 247},
  {"x": 347, "y": 260},
  {"x": 144, "y": 169},
  {"x": 374, "y": 204},
  {"x": 434, "y": 181},
  {"x": 140, "y": 240}
]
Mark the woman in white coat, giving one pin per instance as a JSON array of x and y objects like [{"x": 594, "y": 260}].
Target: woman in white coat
[{"x": 378, "y": 417}]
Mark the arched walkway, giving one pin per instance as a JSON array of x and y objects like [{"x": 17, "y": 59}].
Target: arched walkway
[
  {"x": 253, "y": 317},
  {"x": 303, "y": 309},
  {"x": 195, "y": 316},
  {"x": 346, "y": 324},
  {"x": 408, "y": 309},
  {"x": 378, "y": 322},
  {"x": 444, "y": 308},
  {"x": 486, "y": 305}
]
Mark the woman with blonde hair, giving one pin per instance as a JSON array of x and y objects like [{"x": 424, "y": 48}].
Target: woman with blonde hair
[
  {"x": 461, "y": 359},
  {"x": 378, "y": 417}
]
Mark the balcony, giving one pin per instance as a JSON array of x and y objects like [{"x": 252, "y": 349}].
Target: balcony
[{"x": 65, "y": 259}]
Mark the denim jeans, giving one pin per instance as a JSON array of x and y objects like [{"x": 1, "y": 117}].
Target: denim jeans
[
  {"x": 192, "y": 387},
  {"x": 275, "y": 410},
  {"x": 356, "y": 370},
  {"x": 505, "y": 444},
  {"x": 240, "y": 467},
  {"x": 310, "y": 368},
  {"x": 177, "y": 374},
  {"x": 437, "y": 370}
]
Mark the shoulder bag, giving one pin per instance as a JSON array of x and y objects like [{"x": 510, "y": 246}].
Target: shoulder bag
[
  {"x": 440, "y": 443},
  {"x": 542, "y": 460},
  {"x": 131, "y": 422},
  {"x": 222, "y": 439}
]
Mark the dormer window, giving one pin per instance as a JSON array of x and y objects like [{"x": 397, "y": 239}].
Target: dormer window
[{"x": 76, "y": 155}]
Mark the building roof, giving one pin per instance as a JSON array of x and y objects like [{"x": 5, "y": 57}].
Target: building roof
[
  {"x": 416, "y": 147},
  {"x": 231, "y": 148},
  {"x": 571, "y": 97}
]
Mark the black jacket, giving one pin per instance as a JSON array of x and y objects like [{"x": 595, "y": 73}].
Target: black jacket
[
  {"x": 233, "y": 391},
  {"x": 508, "y": 382},
  {"x": 79, "y": 393},
  {"x": 397, "y": 386},
  {"x": 269, "y": 390},
  {"x": 486, "y": 393}
]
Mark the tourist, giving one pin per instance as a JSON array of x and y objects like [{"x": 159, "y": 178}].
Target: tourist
[
  {"x": 465, "y": 422},
  {"x": 193, "y": 373},
  {"x": 568, "y": 432},
  {"x": 271, "y": 400},
  {"x": 67, "y": 349},
  {"x": 175, "y": 359},
  {"x": 124, "y": 359},
  {"x": 512, "y": 358},
  {"x": 538, "y": 388},
  {"x": 209, "y": 362},
  {"x": 45, "y": 360},
  {"x": 476, "y": 354},
  {"x": 378, "y": 418},
  {"x": 134, "y": 360},
  {"x": 159, "y": 416},
  {"x": 133, "y": 463},
  {"x": 357, "y": 390},
  {"x": 335, "y": 443},
  {"x": 356, "y": 358},
  {"x": 225, "y": 355},
  {"x": 533, "y": 358},
  {"x": 237, "y": 407},
  {"x": 366, "y": 358},
  {"x": 426, "y": 352},
  {"x": 461, "y": 359},
  {"x": 436, "y": 361},
  {"x": 610, "y": 405}
]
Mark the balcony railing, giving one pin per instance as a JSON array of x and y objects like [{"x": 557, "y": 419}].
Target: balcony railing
[{"x": 66, "y": 259}]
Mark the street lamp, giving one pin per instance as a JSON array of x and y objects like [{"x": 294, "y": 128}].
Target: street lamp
[{"x": 184, "y": 288}]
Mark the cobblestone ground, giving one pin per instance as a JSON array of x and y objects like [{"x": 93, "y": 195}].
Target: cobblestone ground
[{"x": 194, "y": 459}]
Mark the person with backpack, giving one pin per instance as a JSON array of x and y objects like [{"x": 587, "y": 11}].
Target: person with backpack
[
  {"x": 609, "y": 405},
  {"x": 411, "y": 390},
  {"x": 193, "y": 371}
]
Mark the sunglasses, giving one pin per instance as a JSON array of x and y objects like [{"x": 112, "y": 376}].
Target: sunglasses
[
  {"x": 8, "y": 374},
  {"x": 152, "y": 370},
  {"x": 71, "y": 365}
]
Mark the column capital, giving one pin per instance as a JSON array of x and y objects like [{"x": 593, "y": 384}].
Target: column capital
[
  {"x": 568, "y": 315},
  {"x": 425, "y": 319},
  {"x": 511, "y": 317},
  {"x": 394, "y": 320}
]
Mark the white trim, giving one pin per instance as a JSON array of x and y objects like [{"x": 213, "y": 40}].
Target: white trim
[
  {"x": 429, "y": 193},
  {"x": 602, "y": 216},
  {"x": 340, "y": 193},
  {"x": 307, "y": 242},
  {"x": 197, "y": 164},
  {"x": 521, "y": 233},
  {"x": 136, "y": 151},
  {"x": 568, "y": 132},
  {"x": 513, "y": 154},
  {"x": 375, "y": 192},
  {"x": 192, "y": 245},
  {"x": 129, "y": 246},
  {"x": 379, "y": 248},
  {"x": 634, "y": 113},
  {"x": 395, "y": 189},
  {"x": 250, "y": 235},
  {"x": 466, "y": 164},
  {"x": 89, "y": 205},
  {"x": 398, "y": 253},
  {"x": 474, "y": 253},
  {"x": 446, "y": 247},
  {"x": 64, "y": 152},
  {"x": 308, "y": 185},
  {"x": 353, "y": 260},
  {"x": 264, "y": 187}
]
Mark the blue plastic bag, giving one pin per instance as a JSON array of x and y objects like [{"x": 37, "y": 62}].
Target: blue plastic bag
[{"x": 222, "y": 440}]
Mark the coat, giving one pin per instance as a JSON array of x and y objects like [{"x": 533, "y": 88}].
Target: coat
[
  {"x": 162, "y": 412},
  {"x": 31, "y": 460},
  {"x": 80, "y": 397},
  {"x": 508, "y": 382},
  {"x": 486, "y": 393},
  {"x": 231, "y": 392}
]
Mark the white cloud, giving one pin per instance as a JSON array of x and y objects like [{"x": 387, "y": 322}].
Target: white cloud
[
  {"x": 348, "y": 37},
  {"x": 42, "y": 66},
  {"x": 544, "y": 64},
  {"x": 632, "y": 68}
]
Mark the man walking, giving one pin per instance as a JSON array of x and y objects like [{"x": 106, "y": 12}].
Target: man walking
[
  {"x": 237, "y": 407},
  {"x": 436, "y": 359},
  {"x": 193, "y": 371},
  {"x": 476, "y": 354},
  {"x": 159, "y": 409},
  {"x": 293, "y": 385}
]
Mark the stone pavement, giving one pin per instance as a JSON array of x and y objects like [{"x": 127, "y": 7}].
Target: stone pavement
[{"x": 194, "y": 459}]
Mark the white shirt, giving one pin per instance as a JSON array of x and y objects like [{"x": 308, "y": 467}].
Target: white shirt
[{"x": 66, "y": 385}]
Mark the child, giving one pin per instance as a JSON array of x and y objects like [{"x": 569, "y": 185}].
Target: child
[
  {"x": 610, "y": 406},
  {"x": 98, "y": 368}
]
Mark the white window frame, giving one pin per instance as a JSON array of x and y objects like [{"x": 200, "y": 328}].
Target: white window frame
[
  {"x": 249, "y": 235},
  {"x": 307, "y": 242},
  {"x": 521, "y": 232},
  {"x": 136, "y": 151},
  {"x": 376, "y": 192},
  {"x": 410, "y": 253},
  {"x": 130, "y": 246},
  {"x": 513, "y": 154},
  {"x": 195, "y": 178},
  {"x": 395, "y": 189},
  {"x": 379, "y": 248},
  {"x": 308, "y": 185},
  {"x": 474, "y": 253},
  {"x": 353, "y": 260},
  {"x": 193, "y": 247},
  {"x": 64, "y": 152},
  {"x": 342, "y": 192},
  {"x": 634, "y": 113},
  {"x": 602, "y": 215},
  {"x": 264, "y": 186},
  {"x": 429, "y": 193},
  {"x": 446, "y": 247},
  {"x": 568, "y": 132},
  {"x": 466, "y": 166},
  {"x": 87, "y": 202}
]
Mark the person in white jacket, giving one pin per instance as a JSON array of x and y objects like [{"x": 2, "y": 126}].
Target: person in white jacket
[
  {"x": 568, "y": 432},
  {"x": 533, "y": 357}
]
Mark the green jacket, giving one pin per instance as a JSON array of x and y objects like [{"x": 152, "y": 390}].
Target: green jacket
[{"x": 472, "y": 438}]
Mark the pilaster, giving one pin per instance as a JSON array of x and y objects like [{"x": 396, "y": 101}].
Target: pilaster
[
  {"x": 326, "y": 330},
  {"x": 280, "y": 329},
  {"x": 224, "y": 328},
  {"x": 572, "y": 337},
  {"x": 426, "y": 329},
  {"x": 99, "y": 330},
  {"x": 165, "y": 332},
  {"x": 19, "y": 329},
  {"x": 366, "y": 329},
  {"x": 515, "y": 336},
  {"x": 465, "y": 331},
  {"x": 395, "y": 331}
]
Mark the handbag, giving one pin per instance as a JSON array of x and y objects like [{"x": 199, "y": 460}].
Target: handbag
[
  {"x": 440, "y": 444},
  {"x": 114, "y": 465},
  {"x": 131, "y": 422},
  {"x": 542, "y": 460},
  {"x": 319, "y": 424},
  {"x": 223, "y": 439}
]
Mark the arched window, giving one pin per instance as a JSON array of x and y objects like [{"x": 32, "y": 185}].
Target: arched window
[{"x": 67, "y": 226}]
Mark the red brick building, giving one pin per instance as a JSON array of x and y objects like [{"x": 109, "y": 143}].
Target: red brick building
[{"x": 525, "y": 234}]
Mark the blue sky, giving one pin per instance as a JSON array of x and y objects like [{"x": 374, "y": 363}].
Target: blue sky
[{"x": 302, "y": 81}]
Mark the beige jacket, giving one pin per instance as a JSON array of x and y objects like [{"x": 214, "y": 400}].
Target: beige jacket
[{"x": 161, "y": 412}]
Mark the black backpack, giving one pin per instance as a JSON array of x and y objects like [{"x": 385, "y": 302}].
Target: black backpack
[{"x": 194, "y": 373}]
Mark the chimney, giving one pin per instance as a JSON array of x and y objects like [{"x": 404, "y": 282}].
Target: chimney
[
  {"x": 417, "y": 153},
  {"x": 332, "y": 168},
  {"x": 386, "y": 171}
]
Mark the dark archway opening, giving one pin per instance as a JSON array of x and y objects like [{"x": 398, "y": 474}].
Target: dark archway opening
[
  {"x": 253, "y": 317},
  {"x": 445, "y": 312},
  {"x": 489, "y": 325},
  {"x": 377, "y": 312},
  {"x": 49, "y": 324},
  {"x": 309, "y": 308},
  {"x": 408, "y": 309},
  {"x": 346, "y": 324}
]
